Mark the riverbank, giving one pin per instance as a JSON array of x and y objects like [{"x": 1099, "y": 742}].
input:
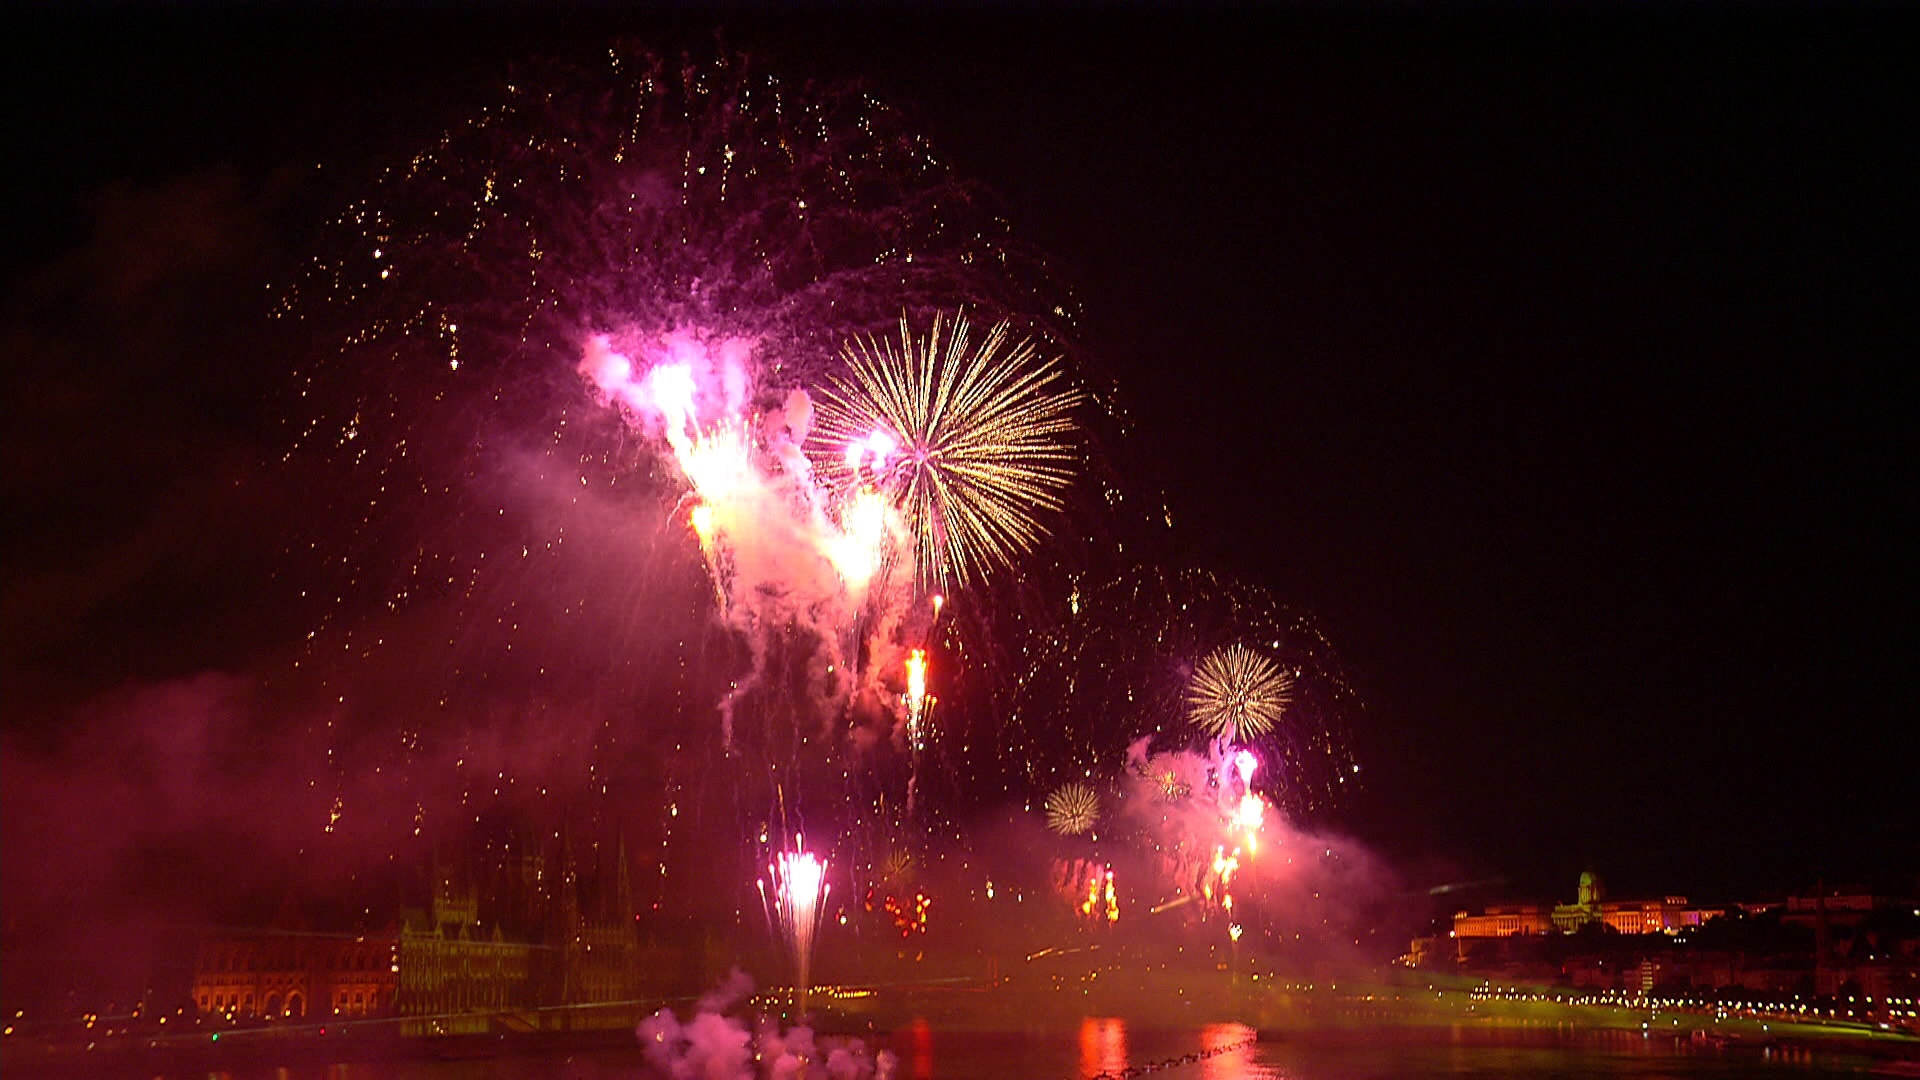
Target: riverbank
[{"x": 898, "y": 1015}]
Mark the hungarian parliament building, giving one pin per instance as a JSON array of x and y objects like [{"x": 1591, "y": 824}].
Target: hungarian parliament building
[{"x": 525, "y": 940}]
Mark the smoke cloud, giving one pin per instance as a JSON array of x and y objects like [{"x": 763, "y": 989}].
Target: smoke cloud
[
  {"x": 713, "y": 1045},
  {"x": 784, "y": 553}
]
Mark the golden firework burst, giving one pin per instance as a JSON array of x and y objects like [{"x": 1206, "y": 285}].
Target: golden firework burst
[
  {"x": 1237, "y": 693},
  {"x": 974, "y": 443},
  {"x": 1072, "y": 808}
]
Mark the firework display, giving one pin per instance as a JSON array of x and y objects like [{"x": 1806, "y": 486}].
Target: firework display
[
  {"x": 1145, "y": 654},
  {"x": 554, "y": 383},
  {"x": 703, "y": 421}
]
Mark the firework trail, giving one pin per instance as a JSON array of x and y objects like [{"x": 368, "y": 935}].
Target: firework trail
[{"x": 915, "y": 701}]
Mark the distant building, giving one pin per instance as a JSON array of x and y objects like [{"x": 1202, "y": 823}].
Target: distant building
[
  {"x": 1667, "y": 915},
  {"x": 451, "y": 966},
  {"x": 1845, "y": 906},
  {"x": 1503, "y": 920},
  {"x": 493, "y": 944},
  {"x": 518, "y": 937},
  {"x": 1840, "y": 944},
  {"x": 287, "y": 972}
]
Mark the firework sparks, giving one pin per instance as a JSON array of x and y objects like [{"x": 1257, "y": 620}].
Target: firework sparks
[
  {"x": 1072, "y": 809},
  {"x": 915, "y": 699},
  {"x": 1236, "y": 693},
  {"x": 466, "y": 494},
  {"x": 1219, "y": 886},
  {"x": 1251, "y": 811},
  {"x": 857, "y": 549},
  {"x": 897, "y": 866},
  {"x": 1120, "y": 664},
  {"x": 973, "y": 444},
  {"x": 1172, "y": 787},
  {"x": 1102, "y": 901},
  {"x": 799, "y": 895}
]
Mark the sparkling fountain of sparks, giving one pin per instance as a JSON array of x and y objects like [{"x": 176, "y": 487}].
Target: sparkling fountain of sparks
[
  {"x": 974, "y": 444},
  {"x": 798, "y": 883},
  {"x": 1237, "y": 693}
]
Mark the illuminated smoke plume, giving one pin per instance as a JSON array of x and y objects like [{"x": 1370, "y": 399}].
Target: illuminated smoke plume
[
  {"x": 713, "y": 1045},
  {"x": 778, "y": 554},
  {"x": 1199, "y": 814}
]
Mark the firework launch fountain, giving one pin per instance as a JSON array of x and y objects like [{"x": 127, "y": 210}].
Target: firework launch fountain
[{"x": 795, "y": 892}]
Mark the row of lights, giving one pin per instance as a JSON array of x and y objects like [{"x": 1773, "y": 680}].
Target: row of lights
[{"x": 1896, "y": 1006}]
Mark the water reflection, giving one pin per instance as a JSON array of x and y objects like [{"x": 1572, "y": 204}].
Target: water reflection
[
  {"x": 1103, "y": 1045},
  {"x": 1087, "y": 1047},
  {"x": 1228, "y": 1053},
  {"x": 919, "y": 1048}
]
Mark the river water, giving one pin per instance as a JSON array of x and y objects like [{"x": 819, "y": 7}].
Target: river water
[{"x": 1215, "y": 1052}]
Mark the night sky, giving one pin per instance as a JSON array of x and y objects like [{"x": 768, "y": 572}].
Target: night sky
[{"x": 1550, "y": 360}]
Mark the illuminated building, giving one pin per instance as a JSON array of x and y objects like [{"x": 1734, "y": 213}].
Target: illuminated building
[
  {"x": 1505, "y": 920},
  {"x": 1854, "y": 947},
  {"x": 517, "y": 938},
  {"x": 1832, "y": 907},
  {"x": 450, "y": 965},
  {"x": 1667, "y": 915},
  {"x": 286, "y": 972},
  {"x": 497, "y": 946}
]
